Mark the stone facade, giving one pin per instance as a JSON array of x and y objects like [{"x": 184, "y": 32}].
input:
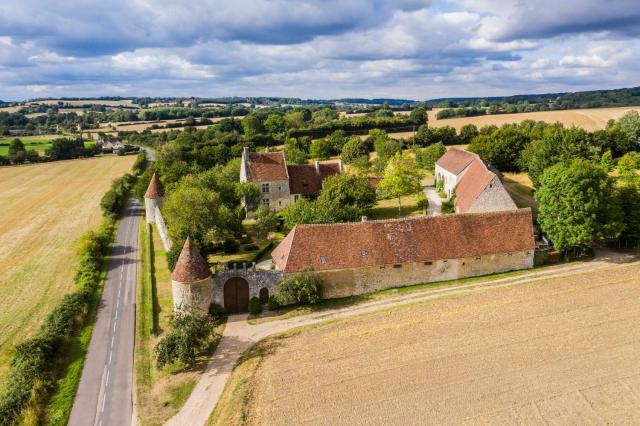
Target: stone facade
[
  {"x": 256, "y": 278},
  {"x": 493, "y": 198},
  {"x": 275, "y": 194},
  {"x": 346, "y": 282},
  {"x": 198, "y": 294}
]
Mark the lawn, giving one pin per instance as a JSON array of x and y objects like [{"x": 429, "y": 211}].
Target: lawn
[
  {"x": 388, "y": 208},
  {"x": 248, "y": 251},
  {"x": 38, "y": 143},
  {"x": 563, "y": 350},
  {"x": 519, "y": 186},
  {"x": 44, "y": 209}
]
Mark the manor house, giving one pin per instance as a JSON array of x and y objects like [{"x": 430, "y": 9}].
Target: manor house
[{"x": 280, "y": 183}]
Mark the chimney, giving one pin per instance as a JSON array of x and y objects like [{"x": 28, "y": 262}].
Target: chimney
[
  {"x": 317, "y": 164},
  {"x": 364, "y": 218}
]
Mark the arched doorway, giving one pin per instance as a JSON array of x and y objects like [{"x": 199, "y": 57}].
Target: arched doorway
[
  {"x": 236, "y": 295},
  {"x": 264, "y": 296}
]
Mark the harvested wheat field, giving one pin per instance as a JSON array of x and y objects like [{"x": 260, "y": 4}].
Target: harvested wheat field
[
  {"x": 589, "y": 119},
  {"x": 560, "y": 351},
  {"x": 44, "y": 209}
]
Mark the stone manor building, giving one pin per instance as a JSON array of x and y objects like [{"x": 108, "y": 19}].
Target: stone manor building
[{"x": 280, "y": 183}]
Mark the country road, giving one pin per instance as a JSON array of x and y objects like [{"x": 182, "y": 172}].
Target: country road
[{"x": 105, "y": 393}]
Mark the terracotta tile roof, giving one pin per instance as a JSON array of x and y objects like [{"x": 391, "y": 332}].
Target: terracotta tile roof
[
  {"x": 305, "y": 179},
  {"x": 385, "y": 242},
  {"x": 155, "y": 189},
  {"x": 191, "y": 266},
  {"x": 474, "y": 181},
  {"x": 267, "y": 166},
  {"x": 455, "y": 160}
]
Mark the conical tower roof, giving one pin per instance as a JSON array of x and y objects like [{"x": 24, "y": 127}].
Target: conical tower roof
[
  {"x": 191, "y": 266},
  {"x": 155, "y": 189}
]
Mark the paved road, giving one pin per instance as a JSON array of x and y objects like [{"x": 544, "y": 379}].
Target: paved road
[{"x": 105, "y": 394}]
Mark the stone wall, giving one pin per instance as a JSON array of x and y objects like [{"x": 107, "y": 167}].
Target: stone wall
[
  {"x": 279, "y": 195},
  {"x": 256, "y": 278},
  {"x": 494, "y": 198},
  {"x": 162, "y": 229},
  {"x": 341, "y": 283}
]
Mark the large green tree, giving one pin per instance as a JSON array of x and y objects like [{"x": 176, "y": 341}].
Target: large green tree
[
  {"x": 402, "y": 177},
  {"x": 428, "y": 156},
  {"x": 578, "y": 206}
]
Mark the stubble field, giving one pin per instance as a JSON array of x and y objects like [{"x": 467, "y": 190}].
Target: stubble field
[
  {"x": 560, "y": 351},
  {"x": 44, "y": 209}
]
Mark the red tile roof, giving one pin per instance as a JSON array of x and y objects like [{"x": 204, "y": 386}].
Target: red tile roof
[
  {"x": 455, "y": 160},
  {"x": 305, "y": 179},
  {"x": 267, "y": 167},
  {"x": 154, "y": 190},
  {"x": 191, "y": 266},
  {"x": 474, "y": 181},
  {"x": 384, "y": 242}
]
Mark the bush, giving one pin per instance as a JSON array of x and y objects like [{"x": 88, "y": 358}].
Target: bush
[
  {"x": 303, "y": 288},
  {"x": 230, "y": 246},
  {"x": 255, "y": 307},
  {"x": 172, "y": 256},
  {"x": 251, "y": 247},
  {"x": 273, "y": 303},
  {"x": 115, "y": 198},
  {"x": 188, "y": 334},
  {"x": 448, "y": 207},
  {"x": 422, "y": 202},
  {"x": 215, "y": 311}
]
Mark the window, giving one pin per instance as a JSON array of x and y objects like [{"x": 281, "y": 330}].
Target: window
[
  {"x": 363, "y": 253},
  {"x": 265, "y": 201},
  {"x": 265, "y": 188},
  {"x": 428, "y": 262},
  {"x": 279, "y": 203},
  {"x": 323, "y": 259},
  {"x": 296, "y": 197},
  {"x": 397, "y": 265}
]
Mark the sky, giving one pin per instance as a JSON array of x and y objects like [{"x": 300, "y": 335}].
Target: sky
[{"x": 411, "y": 49}]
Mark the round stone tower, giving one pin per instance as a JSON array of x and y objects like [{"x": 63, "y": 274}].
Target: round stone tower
[
  {"x": 191, "y": 279},
  {"x": 153, "y": 198}
]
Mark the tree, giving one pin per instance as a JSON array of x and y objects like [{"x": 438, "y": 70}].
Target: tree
[
  {"x": 577, "y": 205},
  {"x": 321, "y": 149},
  {"x": 302, "y": 211},
  {"x": 386, "y": 147},
  {"x": 422, "y": 202},
  {"x": 266, "y": 221},
  {"x": 189, "y": 332},
  {"x": 347, "y": 197},
  {"x": 337, "y": 140},
  {"x": 428, "y": 156},
  {"x": 629, "y": 196},
  {"x": 502, "y": 148},
  {"x": 252, "y": 125},
  {"x": 401, "y": 178},
  {"x": 354, "y": 149},
  {"x": 295, "y": 155},
  {"x": 275, "y": 124},
  {"x": 629, "y": 125},
  {"x": 418, "y": 115},
  {"x": 15, "y": 147},
  {"x": 467, "y": 133},
  {"x": 628, "y": 164},
  {"x": 606, "y": 161},
  {"x": 250, "y": 195},
  {"x": 303, "y": 288}
]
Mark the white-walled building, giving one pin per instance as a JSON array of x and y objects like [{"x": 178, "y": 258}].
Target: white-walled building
[{"x": 452, "y": 166}]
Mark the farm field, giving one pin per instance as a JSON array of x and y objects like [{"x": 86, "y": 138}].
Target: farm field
[
  {"x": 39, "y": 143},
  {"x": 44, "y": 209},
  {"x": 559, "y": 351}
]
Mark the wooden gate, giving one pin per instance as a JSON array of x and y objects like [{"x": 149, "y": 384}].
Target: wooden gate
[
  {"x": 236, "y": 295},
  {"x": 264, "y": 296}
]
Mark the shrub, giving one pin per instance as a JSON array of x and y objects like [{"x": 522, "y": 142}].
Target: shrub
[
  {"x": 255, "y": 307},
  {"x": 188, "y": 334},
  {"x": 230, "y": 246},
  {"x": 273, "y": 303},
  {"x": 172, "y": 256},
  {"x": 215, "y": 311},
  {"x": 303, "y": 288},
  {"x": 422, "y": 202},
  {"x": 448, "y": 207}
]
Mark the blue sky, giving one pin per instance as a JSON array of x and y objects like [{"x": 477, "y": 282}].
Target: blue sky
[{"x": 417, "y": 49}]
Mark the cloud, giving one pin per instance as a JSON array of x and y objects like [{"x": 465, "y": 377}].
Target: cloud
[{"x": 315, "y": 48}]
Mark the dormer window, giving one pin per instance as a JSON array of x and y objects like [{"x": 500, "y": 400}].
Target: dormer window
[
  {"x": 363, "y": 253},
  {"x": 323, "y": 259}
]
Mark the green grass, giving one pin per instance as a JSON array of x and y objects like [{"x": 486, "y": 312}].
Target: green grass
[
  {"x": 39, "y": 143},
  {"x": 59, "y": 407},
  {"x": 179, "y": 394},
  {"x": 144, "y": 312},
  {"x": 388, "y": 208}
]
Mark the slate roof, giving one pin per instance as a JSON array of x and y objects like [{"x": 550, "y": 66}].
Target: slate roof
[
  {"x": 267, "y": 166},
  {"x": 155, "y": 189},
  {"x": 305, "y": 179},
  {"x": 191, "y": 266},
  {"x": 386, "y": 242},
  {"x": 455, "y": 160},
  {"x": 472, "y": 184}
]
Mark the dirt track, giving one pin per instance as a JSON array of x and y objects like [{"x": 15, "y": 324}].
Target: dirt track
[{"x": 559, "y": 351}]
